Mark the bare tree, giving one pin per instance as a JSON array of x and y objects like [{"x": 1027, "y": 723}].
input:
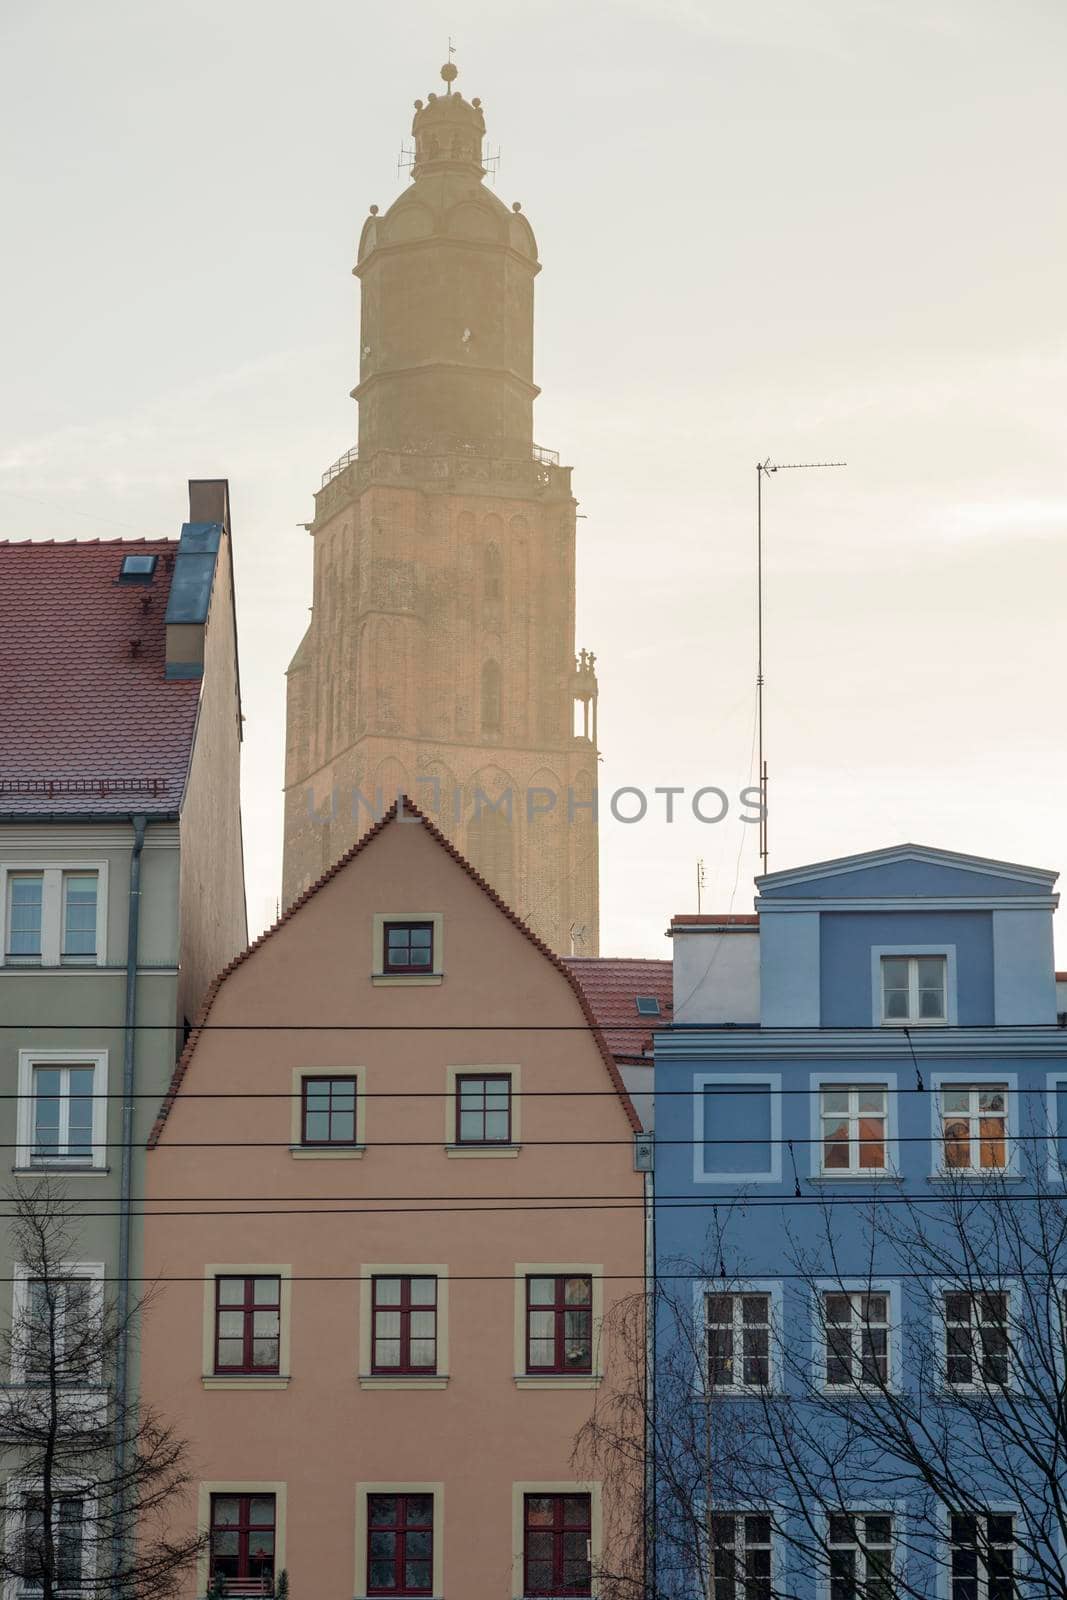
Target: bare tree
[{"x": 75, "y": 1521}]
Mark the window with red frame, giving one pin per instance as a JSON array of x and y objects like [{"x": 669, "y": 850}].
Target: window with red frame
[
  {"x": 242, "y": 1542},
  {"x": 400, "y": 1544},
  {"x": 559, "y": 1324},
  {"x": 247, "y": 1324},
  {"x": 328, "y": 1111},
  {"x": 557, "y": 1559},
  {"x": 483, "y": 1108},
  {"x": 404, "y": 1325},
  {"x": 407, "y": 947}
]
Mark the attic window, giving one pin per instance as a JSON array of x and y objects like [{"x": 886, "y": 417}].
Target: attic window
[
  {"x": 137, "y": 569},
  {"x": 647, "y": 1005}
]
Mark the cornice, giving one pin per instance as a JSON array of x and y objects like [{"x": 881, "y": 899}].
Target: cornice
[
  {"x": 910, "y": 902},
  {"x": 681, "y": 1043}
]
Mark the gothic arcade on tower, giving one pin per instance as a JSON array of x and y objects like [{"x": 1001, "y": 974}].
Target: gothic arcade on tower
[{"x": 440, "y": 658}]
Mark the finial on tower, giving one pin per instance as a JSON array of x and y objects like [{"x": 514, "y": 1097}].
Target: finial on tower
[{"x": 450, "y": 72}]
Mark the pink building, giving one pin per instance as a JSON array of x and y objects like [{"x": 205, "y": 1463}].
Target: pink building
[{"x": 382, "y": 1353}]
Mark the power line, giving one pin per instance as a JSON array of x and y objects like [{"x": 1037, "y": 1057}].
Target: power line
[{"x": 674, "y": 1030}]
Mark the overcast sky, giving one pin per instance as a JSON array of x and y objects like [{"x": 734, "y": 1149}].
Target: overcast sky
[{"x": 809, "y": 229}]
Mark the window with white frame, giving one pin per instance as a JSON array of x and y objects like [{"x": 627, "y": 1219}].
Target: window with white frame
[
  {"x": 859, "y": 1555},
  {"x": 741, "y": 1556},
  {"x": 982, "y": 1556},
  {"x": 739, "y": 1340},
  {"x": 855, "y": 1326},
  {"x": 853, "y": 1128},
  {"x": 30, "y": 1558},
  {"x": 54, "y": 915},
  {"x": 914, "y": 989},
  {"x": 977, "y": 1349},
  {"x": 974, "y": 1126},
  {"x": 62, "y": 1109},
  {"x": 57, "y": 1323}
]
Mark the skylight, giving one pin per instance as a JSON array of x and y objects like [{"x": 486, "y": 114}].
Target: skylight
[
  {"x": 647, "y": 1005},
  {"x": 136, "y": 569}
]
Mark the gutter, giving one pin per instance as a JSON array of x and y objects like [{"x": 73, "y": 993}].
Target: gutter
[{"x": 122, "y": 1309}]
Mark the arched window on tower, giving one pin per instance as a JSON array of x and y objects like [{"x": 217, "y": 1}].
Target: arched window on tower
[
  {"x": 490, "y": 847},
  {"x": 491, "y": 697},
  {"x": 492, "y": 573}
]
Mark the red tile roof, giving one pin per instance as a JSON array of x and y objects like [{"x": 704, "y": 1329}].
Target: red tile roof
[
  {"x": 90, "y": 723},
  {"x": 728, "y": 919},
  {"x": 611, "y": 985},
  {"x": 408, "y": 809}
]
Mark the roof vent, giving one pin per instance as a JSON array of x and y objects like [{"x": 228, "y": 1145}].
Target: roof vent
[
  {"x": 647, "y": 1005},
  {"x": 137, "y": 569}
]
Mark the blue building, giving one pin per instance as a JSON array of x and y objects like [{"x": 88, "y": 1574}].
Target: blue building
[{"x": 861, "y": 1239}]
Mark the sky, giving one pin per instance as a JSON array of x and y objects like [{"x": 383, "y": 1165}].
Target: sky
[{"x": 803, "y": 230}]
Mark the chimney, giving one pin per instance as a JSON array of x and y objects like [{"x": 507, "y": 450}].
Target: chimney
[{"x": 194, "y": 575}]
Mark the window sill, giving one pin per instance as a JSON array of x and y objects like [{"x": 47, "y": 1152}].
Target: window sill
[
  {"x": 236, "y": 1381},
  {"x": 558, "y": 1380},
  {"x": 378, "y": 1380},
  {"x": 914, "y": 1022},
  {"x": 463, "y": 1151},
  {"x": 856, "y": 1177},
  {"x": 993, "y": 1175},
  {"x": 416, "y": 980},
  {"x": 69, "y": 1170},
  {"x": 310, "y": 1152}
]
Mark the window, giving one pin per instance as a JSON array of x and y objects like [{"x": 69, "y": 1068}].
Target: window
[
  {"x": 559, "y": 1324},
  {"x": 328, "y": 1111},
  {"x": 79, "y": 916},
  {"x": 493, "y": 573},
  {"x": 483, "y": 1109},
  {"x": 243, "y": 1528},
  {"x": 137, "y": 569},
  {"x": 647, "y": 1005},
  {"x": 974, "y": 1120},
  {"x": 982, "y": 1557},
  {"x": 913, "y": 989},
  {"x": 977, "y": 1349},
  {"x": 56, "y": 1325},
  {"x": 408, "y": 947},
  {"x": 557, "y": 1554},
  {"x": 860, "y": 1555},
  {"x": 63, "y": 1114},
  {"x": 739, "y": 1340},
  {"x": 25, "y": 894},
  {"x": 404, "y": 1332},
  {"x": 856, "y": 1335},
  {"x": 491, "y": 697},
  {"x": 400, "y": 1544},
  {"x": 741, "y": 1557},
  {"x": 247, "y": 1324},
  {"x": 68, "y": 1520},
  {"x": 853, "y": 1127},
  {"x": 738, "y": 1128}
]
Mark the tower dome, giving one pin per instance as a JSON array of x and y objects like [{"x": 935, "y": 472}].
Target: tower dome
[{"x": 448, "y": 131}]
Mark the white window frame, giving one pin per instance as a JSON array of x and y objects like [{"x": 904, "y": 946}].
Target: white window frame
[
  {"x": 53, "y": 900},
  {"x": 944, "y": 1516},
  {"x": 854, "y": 1286},
  {"x": 947, "y": 952},
  {"x": 888, "y": 1508},
  {"x": 976, "y": 1080},
  {"x": 28, "y": 1060},
  {"x": 772, "y": 1287},
  {"x": 16, "y": 1492},
  {"x": 773, "y": 1082},
  {"x": 92, "y": 1271},
  {"x": 855, "y": 1080},
  {"x": 945, "y": 1286},
  {"x": 777, "y": 1552},
  {"x": 1057, "y": 1171}
]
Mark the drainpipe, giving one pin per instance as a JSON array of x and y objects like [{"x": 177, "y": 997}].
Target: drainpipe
[{"x": 122, "y": 1302}]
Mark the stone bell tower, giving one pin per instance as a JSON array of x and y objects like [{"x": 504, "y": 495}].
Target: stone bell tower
[{"x": 440, "y": 657}]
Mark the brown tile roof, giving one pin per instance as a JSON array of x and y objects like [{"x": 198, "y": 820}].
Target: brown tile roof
[
  {"x": 611, "y": 984},
  {"x": 410, "y": 809},
  {"x": 90, "y": 722},
  {"x": 735, "y": 919}
]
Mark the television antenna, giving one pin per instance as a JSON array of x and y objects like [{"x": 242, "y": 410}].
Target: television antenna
[
  {"x": 762, "y": 469},
  {"x": 701, "y": 882}
]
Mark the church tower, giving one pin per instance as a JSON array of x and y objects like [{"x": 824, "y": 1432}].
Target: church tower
[{"x": 440, "y": 656}]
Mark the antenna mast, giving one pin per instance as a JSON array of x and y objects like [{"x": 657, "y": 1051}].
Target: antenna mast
[{"x": 762, "y": 468}]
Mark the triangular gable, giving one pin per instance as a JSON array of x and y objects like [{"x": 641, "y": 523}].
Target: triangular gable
[
  {"x": 908, "y": 871},
  {"x": 408, "y": 810}
]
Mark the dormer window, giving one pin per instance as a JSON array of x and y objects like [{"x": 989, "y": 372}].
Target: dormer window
[{"x": 913, "y": 990}]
